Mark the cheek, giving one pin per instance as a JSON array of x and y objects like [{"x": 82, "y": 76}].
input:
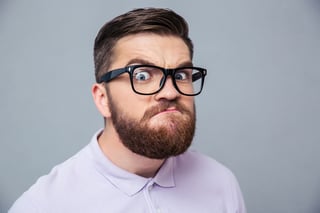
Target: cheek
[
  {"x": 189, "y": 103},
  {"x": 132, "y": 104},
  {"x": 140, "y": 104}
]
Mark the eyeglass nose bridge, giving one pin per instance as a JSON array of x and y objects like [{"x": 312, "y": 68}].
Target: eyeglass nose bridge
[{"x": 163, "y": 80}]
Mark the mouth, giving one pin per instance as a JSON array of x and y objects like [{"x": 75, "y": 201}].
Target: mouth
[
  {"x": 168, "y": 110},
  {"x": 165, "y": 109}
]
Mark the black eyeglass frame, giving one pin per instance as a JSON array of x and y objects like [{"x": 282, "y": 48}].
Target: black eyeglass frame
[{"x": 110, "y": 75}]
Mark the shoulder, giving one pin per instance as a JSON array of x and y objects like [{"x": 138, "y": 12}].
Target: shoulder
[
  {"x": 196, "y": 161},
  {"x": 203, "y": 174},
  {"x": 66, "y": 171},
  {"x": 53, "y": 185},
  {"x": 193, "y": 165},
  {"x": 24, "y": 204}
]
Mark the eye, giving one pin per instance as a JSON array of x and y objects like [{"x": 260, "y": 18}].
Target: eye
[
  {"x": 142, "y": 76},
  {"x": 181, "y": 76}
]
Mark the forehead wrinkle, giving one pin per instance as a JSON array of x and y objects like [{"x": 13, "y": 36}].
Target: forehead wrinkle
[
  {"x": 162, "y": 51},
  {"x": 146, "y": 62}
]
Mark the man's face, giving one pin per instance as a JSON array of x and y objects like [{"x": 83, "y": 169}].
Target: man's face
[{"x": 156, "y": 126}]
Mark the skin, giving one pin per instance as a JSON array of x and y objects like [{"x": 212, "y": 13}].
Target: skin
[{"x": 143, "y": 48}]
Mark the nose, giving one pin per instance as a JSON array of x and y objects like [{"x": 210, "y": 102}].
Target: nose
[{"x": 168, "y": 90}]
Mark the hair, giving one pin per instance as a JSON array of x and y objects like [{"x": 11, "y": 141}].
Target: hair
[{"x": 144, "y": 20}]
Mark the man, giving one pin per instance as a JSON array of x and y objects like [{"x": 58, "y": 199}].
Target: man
[{"x": 146, "y": 83}]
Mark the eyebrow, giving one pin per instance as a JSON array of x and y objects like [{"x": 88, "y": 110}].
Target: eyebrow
[
  {"x": 139, "y": 61},
  {"x": 145, "y": 62}
]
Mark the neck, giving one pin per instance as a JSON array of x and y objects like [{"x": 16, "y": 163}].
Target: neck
[{"x": 121, "y": 156}]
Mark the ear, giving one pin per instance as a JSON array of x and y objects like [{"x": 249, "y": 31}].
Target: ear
[{"x": 101, "y": 100}]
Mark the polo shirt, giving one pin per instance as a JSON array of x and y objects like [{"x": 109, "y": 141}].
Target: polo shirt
[{"x": 90, "y": 183}]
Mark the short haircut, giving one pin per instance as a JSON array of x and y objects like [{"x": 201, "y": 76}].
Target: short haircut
[{"x": 144, "y": 20}]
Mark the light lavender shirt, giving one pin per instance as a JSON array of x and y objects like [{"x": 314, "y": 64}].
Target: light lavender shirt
[{"x": 89, "y": 182}]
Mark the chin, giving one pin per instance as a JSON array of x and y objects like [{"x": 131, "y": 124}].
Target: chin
[{"x": 158, "y": 123}]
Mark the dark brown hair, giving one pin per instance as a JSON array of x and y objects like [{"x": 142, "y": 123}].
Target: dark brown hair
[{"x": 152, "y": 20}]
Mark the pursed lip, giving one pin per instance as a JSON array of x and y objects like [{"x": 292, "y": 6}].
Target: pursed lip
[{"x": 168, "y": 110}]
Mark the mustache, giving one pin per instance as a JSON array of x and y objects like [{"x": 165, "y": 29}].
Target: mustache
[{"x": 163, "y": 106}]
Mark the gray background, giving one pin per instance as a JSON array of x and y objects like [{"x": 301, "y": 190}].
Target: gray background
[{"x": 259, "y": 113}]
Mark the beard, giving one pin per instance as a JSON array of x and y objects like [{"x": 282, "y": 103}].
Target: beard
[{"x": 167, "y": 139}]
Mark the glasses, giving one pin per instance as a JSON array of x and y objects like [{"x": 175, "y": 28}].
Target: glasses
[{"x": 149, "y": 79}]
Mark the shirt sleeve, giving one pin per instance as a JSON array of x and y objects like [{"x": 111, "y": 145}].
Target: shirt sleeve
[
  {"x": 24, "y": 204},
  {"x": 238, "y": 197}
]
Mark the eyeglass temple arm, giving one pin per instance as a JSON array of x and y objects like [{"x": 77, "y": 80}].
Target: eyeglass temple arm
[
  {"x": 196, "y": 76},
  {"x": 111, "y": 75}
]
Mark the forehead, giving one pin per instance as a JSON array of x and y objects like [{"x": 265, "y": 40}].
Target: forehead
[{"x": 161, "y": 50}]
